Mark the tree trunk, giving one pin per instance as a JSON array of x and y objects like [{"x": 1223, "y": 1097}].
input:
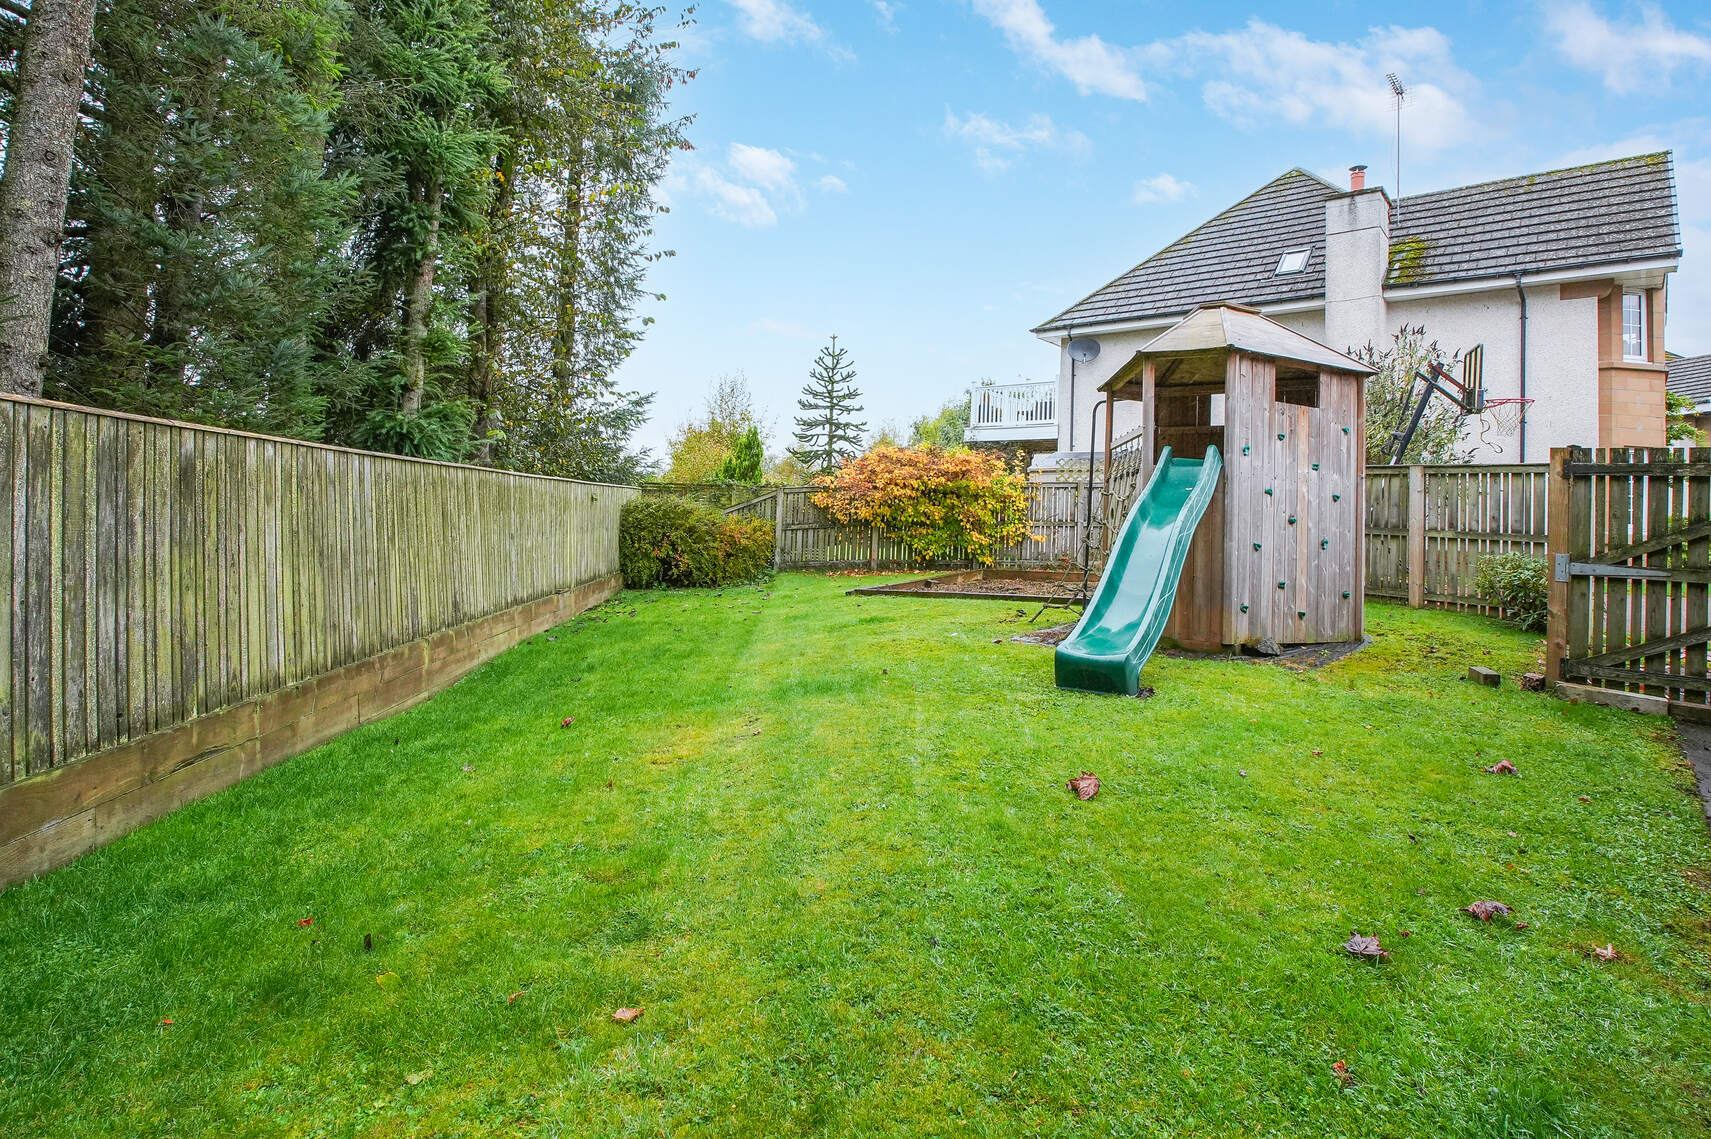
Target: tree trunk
[
  {"x": 569, "y": 278},
  {"x": 37, "y": 178},
  {"x": 417, "y": 301},
  {"x": 488, "y": 307}
]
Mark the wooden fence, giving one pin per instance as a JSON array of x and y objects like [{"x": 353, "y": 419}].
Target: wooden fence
[
  {"x": 157, "y": 572},
  {"x": 1631, "y": 544},
  {"x": 807, "y": 538},
  {"x": 1427, "y": 528}
]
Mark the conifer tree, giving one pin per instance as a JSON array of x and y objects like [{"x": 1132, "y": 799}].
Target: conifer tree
[
  {"x": 744, "y": 462},
  {"x": 829, "y": 434}
]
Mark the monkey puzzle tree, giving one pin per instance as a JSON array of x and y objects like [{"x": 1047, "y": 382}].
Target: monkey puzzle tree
[{"x": 829, "y": 434}]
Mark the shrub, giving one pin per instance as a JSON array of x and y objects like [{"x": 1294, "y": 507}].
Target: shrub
[
  {"x": 936, "y": 502},
  {"x": 1519, "y": 584},
  {"x": 667, "y": 540}
]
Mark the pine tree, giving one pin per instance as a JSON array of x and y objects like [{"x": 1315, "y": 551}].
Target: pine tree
[{"x": 829, "y": 434}]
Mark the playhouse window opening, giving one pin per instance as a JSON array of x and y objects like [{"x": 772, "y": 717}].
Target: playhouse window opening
[{"x": 1298, "y": 386}]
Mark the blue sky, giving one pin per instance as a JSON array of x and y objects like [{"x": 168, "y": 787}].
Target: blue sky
[{"x": 930, "y": 178}]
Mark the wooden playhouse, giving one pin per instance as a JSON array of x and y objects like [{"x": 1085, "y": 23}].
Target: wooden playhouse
[{"x": 1279, "y": 558}]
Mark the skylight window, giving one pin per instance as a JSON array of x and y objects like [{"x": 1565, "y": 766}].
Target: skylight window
[{"x": 1293, "y": 261}]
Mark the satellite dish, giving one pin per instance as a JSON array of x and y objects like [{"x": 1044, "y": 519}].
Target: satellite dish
[{"x": 1083, "y": 349}]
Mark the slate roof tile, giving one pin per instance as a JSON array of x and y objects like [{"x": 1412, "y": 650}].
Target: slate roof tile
[{"x": 1603, "y": 213}]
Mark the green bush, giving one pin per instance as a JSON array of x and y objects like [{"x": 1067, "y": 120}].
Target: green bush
[
  {"x": 1519, "y": 584},
  {"x": 668, "y": 540}
]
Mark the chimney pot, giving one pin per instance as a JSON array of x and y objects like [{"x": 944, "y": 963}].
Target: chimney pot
[{"x": 1357, "y": 178}]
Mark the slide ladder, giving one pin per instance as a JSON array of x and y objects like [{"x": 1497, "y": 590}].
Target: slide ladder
[{"x": 1123, "y": 622}]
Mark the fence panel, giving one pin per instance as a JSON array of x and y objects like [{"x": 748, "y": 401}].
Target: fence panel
[
  {"x": 155, "y": 572},
  {"x": 1630, "y": 545},
  {"x": 1427, "y": 528}
]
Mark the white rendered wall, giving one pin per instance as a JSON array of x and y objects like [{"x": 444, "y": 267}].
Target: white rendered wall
[{"x": 1562, "y": 363}]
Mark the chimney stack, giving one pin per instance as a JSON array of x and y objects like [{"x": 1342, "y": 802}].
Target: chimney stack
[{"x": 1357, "y": 178}]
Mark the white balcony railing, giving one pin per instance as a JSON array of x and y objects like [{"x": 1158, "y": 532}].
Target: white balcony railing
[{"x": 1011, "y": 412}]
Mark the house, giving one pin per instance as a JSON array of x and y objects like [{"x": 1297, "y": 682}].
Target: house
[
  {"x": 1560, "y": 276},
  {"x": 1690, "y": 376}
]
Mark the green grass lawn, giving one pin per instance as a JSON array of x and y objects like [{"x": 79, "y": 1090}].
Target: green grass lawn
[{"x": 825, "y": 844}]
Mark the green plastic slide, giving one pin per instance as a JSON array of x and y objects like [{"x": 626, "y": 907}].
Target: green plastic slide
[{"x": 1123, "y": 622}]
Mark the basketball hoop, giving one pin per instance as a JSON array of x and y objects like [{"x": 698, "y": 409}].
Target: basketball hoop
[{"x": 1501, "y": 417}]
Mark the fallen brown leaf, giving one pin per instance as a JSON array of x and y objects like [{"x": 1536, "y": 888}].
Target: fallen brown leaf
[
  {"x": 512, "y": 999},
  {"x": 1359, "y": 946},
  {"x": 1343, "y": 1075},
  {"x": 1085, "y": 785},
  {"x": 1605, "y": 953},
  {"x": 626, "y": 1015},
  {"x": 1485, "y": 911},
  {"x": 1501, "y": 767},
  {"x": 567, "y": 721}
]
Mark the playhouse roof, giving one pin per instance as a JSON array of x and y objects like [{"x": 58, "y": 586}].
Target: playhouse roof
[{"x": 1212, "y": 328}]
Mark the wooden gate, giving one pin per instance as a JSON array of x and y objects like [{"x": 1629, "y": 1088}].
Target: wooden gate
[{"x": 1630, "y": 565}]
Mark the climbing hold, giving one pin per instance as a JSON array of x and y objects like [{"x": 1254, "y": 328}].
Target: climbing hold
[
  {"x": 1345, "y": 595},
  {"x": 1268, "y": 490},
  {"x": 1283, "y": 585},
  {"x": 1280, "y": 436},
  {"x": 1256, "y": 545},
  {"x": 1345, "y": 430},
  {"x": 1245, "y": 447},
  {"x": 1301, "y": 613},
  {"x": 1315, "y": 466},
  {"x": 1244, "y": 609},
  {"x": 1292, "y": 519},
  {"x": 1324, "y": 542},
  {"x": 1336, "y": 498}
]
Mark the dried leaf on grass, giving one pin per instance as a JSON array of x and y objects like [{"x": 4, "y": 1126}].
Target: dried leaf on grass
[
  {"x": 1485, "y": 911},
  {"x": 626, "y": 1015},
  {"x": 1344, "y": 1076},
  {"x": 1085, "y": 785},
  {"x": 1605, "y": 952},
  {"x": 1359, "y": 946},
  {"x": 1501, "y": 767}
]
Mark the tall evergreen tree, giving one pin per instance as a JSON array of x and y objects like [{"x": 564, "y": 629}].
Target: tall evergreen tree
[
  {"x": 204, "y": 234},
  {"x": 829, "y": 434}
]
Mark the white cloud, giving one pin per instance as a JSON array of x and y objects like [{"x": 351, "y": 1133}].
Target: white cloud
[
  {"x": 1161, "y": 188},
  {"x": 1261, "y": 72},
  {"x": 780, "y": 22},
  {"x": 833, "y": 184},
  {"x": 886, "y": 14},
  {"x": 1094, "y": 66},
  {"x": 761, "y": 167},
  {"x": 744, "y": 205},
  {"x": 996, "y": 142},
  {"x": 1631, "y": 56},
  {"x": 776, "y": 21},
  {"x": 752, "y": 187}
]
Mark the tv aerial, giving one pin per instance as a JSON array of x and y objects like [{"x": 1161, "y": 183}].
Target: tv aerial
[{"x": 1400, "y": 92}]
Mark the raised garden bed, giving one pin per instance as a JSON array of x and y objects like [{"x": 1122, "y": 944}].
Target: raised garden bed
[{"x": 991, "y": 585}]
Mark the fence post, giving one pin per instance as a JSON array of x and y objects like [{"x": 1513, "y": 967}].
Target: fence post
[
  {"x": 778, "y": 529},
  {"x": 1568, "y": 514},
  {"x": 1417, "y": 537},
  {"x": 873, "y": 548}
]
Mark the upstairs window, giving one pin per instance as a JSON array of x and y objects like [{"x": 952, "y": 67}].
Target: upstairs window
[
  {"x": 1634, "y": 326},
  {"x": 1293, "y": 261}
]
